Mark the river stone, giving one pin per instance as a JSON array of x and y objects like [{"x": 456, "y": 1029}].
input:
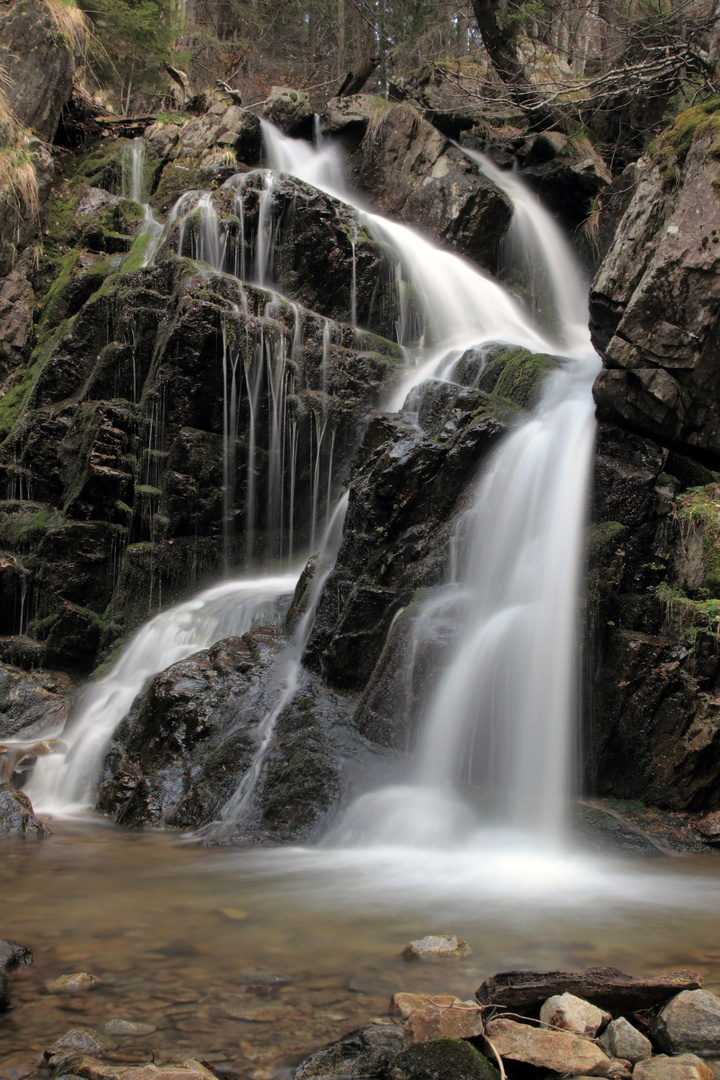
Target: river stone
[
  {"x": 682, "y": 1067},
  {"x": 77, "y": 982},
  {"x": 560, "y": 1051},
  {"x": 459, "y": 1020},
  {"x": 13, "y": 955},
  {"x": 621, "y": 1040},
  {"x": 362, "y": 1053},
  {"x": 290, "y": 110},
  {"x": 442, "y": 1059},
  {"x": 690, "y": 1021},
  {"x": 571, "y": 1013},
  {"x": 436, "y": 947},
  {"x": 128, "y": 1027},
  {"x": 74, "y": 1043},
  {"x": 88, "y": 1068},
  {"x": 16, "y": 814},
  {"x": 404, "y": 1004}
]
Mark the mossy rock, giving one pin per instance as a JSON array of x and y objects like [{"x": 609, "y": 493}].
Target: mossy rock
[
  {"x": 442, "y": 1059},
  {"x": 671, "y": 148},
  {"x": 516, "y": 374}
]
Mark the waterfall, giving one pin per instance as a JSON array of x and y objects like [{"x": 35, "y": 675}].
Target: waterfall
[
  {"x": 133, "y": 187},
  {"x": 501, "y": 713}
]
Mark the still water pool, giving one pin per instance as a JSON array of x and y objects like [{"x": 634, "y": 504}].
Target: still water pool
[{"x": 181, "y": 935}]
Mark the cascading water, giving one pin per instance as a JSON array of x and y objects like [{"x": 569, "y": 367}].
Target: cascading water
[
  {"x": 66, "y": 784},
  {"x": 509, "y": 685},
  {"x": 502, "y": 712}
]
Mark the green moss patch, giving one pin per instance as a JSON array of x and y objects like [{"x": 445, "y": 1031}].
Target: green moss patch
[{"x": 671, "y": 148}]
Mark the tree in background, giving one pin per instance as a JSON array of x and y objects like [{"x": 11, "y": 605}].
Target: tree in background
[{"x": 129, "y": 41}]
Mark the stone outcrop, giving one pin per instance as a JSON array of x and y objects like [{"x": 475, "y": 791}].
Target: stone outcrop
[
  {"x": 654, "y": 304},
  {"x": 412, "y": 172},
  {"x": 183, "y": 749},
  {"x": 39, "y": 52}
]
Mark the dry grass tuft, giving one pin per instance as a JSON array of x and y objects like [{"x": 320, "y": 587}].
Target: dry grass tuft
[
  {"x": 18, "y": 179},
  {"x": 70, "y": 21}
]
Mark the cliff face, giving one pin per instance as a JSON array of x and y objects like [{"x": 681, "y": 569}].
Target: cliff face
[{"x": 654, "y": 311}]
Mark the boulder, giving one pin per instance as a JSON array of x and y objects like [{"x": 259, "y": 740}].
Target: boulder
[
  {"x": 32, "y": 703},
  {"x": 441, "y": 1059},
  {"x": 682, "y": 1067},
  {"x": 560, "y": 1051},
  {"x": 459, "y": 1020},
  {"x": 40, "y": 52},
  {"x": 13, "y": 955},
  {"x": 290, "y": 110},
  {"x": 414, "y": 173},
  {"x": 621, "y": 1040},
  {"x": 437, "y": 947},
  {"x": 604, "y": 987},
  {"x": 16, "y": 815},
  {"x": 348, "y": 117},
  {"x": 570, "y": 1013},
  {"x": 689, "y": 1022},
  {"x": 362, "y": 1053}
]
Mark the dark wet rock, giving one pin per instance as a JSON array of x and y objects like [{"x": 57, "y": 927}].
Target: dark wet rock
[
  {"x": 605, "y": 987},
  {"x": 567, "y": 179},
  {"x": 39, "y": 60},
  {"x": 656, "y": 657},
  {"x": 181, "y": 753},
  {"x": 32, "y": 703},
  {"x": 4, "y": 992},
  {"x": 413, "y": 172},
  {"x": 16, "y": 815},
  {"x": 689, "y": 1022},
  {"x": 366, "y": 1052},
  {"x": 290, "y": 110},
  {"x": 406, "y": 487},
  {"x": 654, "y": 311},
  {"x": 600, "y": 829},
  {"x": 13, "y": 955}
]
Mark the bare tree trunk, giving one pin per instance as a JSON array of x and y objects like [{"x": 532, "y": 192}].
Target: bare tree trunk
[
  {"x": 498, "y": 36},
  {"x": 341, "y": 38},
  {"x": 461, "y": 34}
]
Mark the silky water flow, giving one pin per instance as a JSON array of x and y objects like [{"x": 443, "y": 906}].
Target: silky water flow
[{"x": 502, "y": 711}]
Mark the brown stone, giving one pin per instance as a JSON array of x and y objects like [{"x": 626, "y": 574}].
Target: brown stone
[
  {"x": 683, "y": 1067},
  {"x": 403, "y": 1004},
  {"x": 459, "y": 1020},
  {"x": 557, "y": 1050}
]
